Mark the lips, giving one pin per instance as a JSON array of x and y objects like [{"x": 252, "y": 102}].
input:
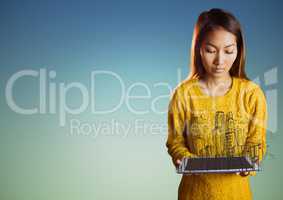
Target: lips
[{"x": 219, "y": 69}]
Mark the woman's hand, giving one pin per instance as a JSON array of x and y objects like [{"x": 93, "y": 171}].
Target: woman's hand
[
  {"x": 178, "y": 162},
  {"x": 243, "y": 174}
]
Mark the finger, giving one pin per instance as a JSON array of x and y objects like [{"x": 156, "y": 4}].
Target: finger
[{"x": 244, "y": 174}]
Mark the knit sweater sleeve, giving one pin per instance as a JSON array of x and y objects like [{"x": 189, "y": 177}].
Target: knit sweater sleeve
[
  {"x": 257, "y": 110},
  {"x": 177, "y": 119}
]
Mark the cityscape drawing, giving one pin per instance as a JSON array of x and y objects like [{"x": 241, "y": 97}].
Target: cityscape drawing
[{"x": 227, "y": 138}]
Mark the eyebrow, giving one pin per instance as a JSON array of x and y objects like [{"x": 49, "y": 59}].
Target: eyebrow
[{"x": 224, "y": 47}]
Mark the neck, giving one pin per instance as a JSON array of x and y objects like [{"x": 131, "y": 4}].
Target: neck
[{"x": 215, "y": 81}]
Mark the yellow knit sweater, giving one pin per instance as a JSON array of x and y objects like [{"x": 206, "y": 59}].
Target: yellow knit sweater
[{"x": 202, "y": 125}]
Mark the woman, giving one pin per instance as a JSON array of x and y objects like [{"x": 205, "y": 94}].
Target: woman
[{"x": 217, "y": 110}]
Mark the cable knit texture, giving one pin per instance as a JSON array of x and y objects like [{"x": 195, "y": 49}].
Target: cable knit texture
[{"x": 202, "y": 125}]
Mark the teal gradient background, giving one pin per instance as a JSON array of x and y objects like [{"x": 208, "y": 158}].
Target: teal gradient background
[{"x": 142, "y": 42}]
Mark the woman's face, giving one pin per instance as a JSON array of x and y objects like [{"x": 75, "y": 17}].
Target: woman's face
[{"x": 218, "y": 52}]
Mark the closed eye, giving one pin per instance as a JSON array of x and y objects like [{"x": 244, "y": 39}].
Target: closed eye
[
  {"x": 210, "y": 51},
  {"x": 229, "y": 52}
]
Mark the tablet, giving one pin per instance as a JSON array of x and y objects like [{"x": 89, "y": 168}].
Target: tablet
[{"x": 216, "y": 165}]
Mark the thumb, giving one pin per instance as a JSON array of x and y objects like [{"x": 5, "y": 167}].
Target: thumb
[{"x": 178, "y": 162}]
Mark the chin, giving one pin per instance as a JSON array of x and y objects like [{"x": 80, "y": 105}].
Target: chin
[{"x": 219, "y": 75}]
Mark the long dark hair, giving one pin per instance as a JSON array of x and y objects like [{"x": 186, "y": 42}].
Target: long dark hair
[{"x": 209, "y": 21}]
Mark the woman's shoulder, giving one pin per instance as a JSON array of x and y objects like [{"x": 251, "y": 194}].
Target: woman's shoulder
[
  {"x": 250, "y": 91},
  {"x": 185, "y": 86},
  {"x": 247, "y": 85}
]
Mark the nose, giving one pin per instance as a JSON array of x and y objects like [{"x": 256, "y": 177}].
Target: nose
[{"x": 219, "y": 59}]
